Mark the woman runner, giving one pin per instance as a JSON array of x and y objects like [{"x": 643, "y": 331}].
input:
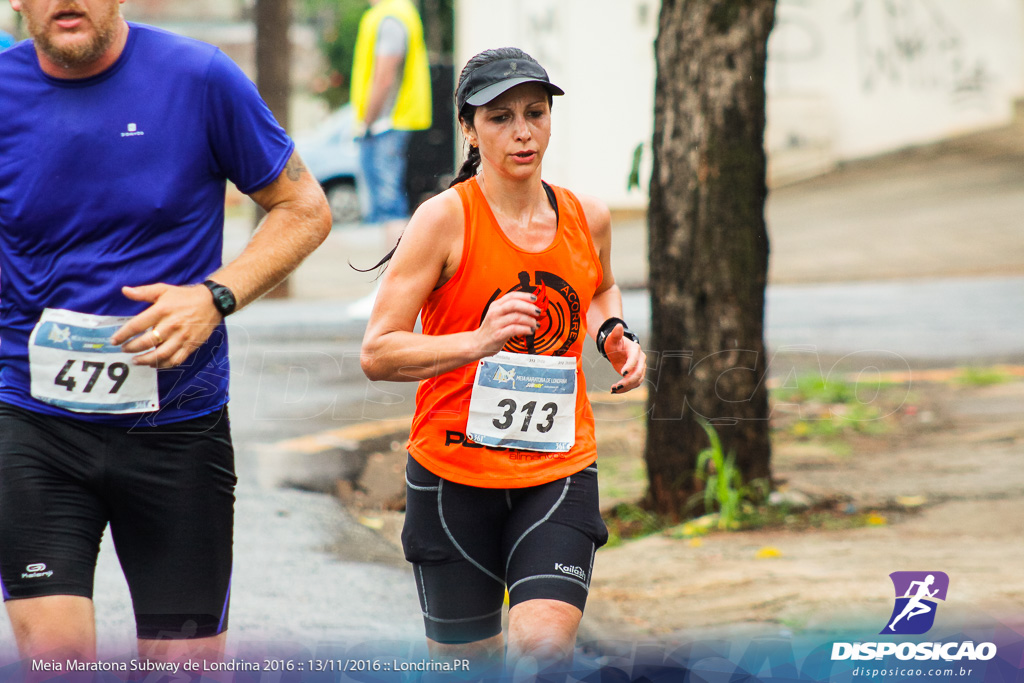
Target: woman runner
[{"x": 508, "y": 274}]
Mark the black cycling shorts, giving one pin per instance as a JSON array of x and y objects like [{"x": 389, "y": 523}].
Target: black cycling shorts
[
  {"x": 167, "y": 493},
  {"x": 467, "y": 544}
]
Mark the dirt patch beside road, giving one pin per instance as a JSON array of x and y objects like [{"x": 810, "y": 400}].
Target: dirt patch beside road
[{"x": 947, "y": 489}]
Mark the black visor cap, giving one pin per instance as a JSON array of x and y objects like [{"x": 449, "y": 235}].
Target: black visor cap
[{"x": 490, "y": 80}]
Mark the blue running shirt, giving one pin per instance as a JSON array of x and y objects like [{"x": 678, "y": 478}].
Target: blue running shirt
[{"x": 117, "y": 180}]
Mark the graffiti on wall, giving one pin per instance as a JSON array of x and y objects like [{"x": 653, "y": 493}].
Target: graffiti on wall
[
  {"x": 796, "y": 36},
  {"x": 913, "y": 44},
  {"x": 545, "y": 34},
  {"x": 901, "y": 44}
]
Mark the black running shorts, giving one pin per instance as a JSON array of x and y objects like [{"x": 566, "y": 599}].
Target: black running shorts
[
  {"x": 467, "y": 544},
  {"x": 167, "y": 493}
]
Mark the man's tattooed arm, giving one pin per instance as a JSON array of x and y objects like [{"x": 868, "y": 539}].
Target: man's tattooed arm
[{"x": 294, "y": 169}]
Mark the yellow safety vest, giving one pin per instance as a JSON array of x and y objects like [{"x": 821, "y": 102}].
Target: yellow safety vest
[{"x": 413, "y": 106}]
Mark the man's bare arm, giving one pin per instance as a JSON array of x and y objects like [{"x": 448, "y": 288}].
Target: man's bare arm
[
  {"x": 385, "y": 73},
  {"x": 298, "y": 220}
]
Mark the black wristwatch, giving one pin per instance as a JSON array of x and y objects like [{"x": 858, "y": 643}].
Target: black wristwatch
[
  {"x": 223, "y": 298},
  {"x": 606, "y": 328}
]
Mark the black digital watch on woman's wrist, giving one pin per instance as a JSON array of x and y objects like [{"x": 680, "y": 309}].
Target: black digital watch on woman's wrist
[{"x": 606, "y": 328}]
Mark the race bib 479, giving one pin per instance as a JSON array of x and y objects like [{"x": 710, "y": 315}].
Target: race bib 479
[{"x": 73, "y": 366}]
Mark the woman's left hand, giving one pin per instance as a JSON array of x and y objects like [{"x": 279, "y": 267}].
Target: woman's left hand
[{"x": 628, "y": 359}]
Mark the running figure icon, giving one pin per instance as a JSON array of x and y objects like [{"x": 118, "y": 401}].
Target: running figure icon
[{"x": 915, "y": 605}]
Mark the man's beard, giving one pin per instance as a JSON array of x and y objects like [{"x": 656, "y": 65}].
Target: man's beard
[{"x": 76, "y": 53}]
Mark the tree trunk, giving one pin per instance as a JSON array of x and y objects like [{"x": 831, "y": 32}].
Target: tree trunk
[
  {"x": 274, "y": 55},
  {"x": 708, "y": 244},
  {"x": 433, "y": 28},
  {"x": 273, "y": 74}
]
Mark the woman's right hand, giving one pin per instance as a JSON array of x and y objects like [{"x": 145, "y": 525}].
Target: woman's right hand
[{"x": 513, "y": 315}]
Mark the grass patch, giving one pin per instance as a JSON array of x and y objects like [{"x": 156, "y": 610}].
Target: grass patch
[
  {"x": 628, "y": 521},
  {"x": 795, "y": 623},
  {"x": 622, "y": 471},
  {"x": 814, "y": 387},
  {"x": 814, "y": 408},
  {"x": 982, "y": 377},
  {"x": 831, "y": 417},
  {"x": 779, "y": 517}
]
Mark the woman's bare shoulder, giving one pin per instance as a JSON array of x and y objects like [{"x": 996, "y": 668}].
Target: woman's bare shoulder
[
  {"x": 440, "y": 213},
  {"x": 434, "y": 233},
  {"x": 598, "y": 216}
]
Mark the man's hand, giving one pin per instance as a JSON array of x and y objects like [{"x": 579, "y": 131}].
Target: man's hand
[
  {"x": 628, "y": 359},
  {"x": 178, "y": 322}
]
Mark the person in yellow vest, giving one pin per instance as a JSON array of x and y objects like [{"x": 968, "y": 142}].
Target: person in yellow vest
[{"x": 391, "y": 98}]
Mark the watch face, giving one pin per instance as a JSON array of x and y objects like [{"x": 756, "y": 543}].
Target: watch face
[
  {"x": 227, "y": 301},
  {"x": 223, "y": 299}
]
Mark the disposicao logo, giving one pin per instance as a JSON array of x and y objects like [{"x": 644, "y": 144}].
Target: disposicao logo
[{"x": 916, "y": 596}]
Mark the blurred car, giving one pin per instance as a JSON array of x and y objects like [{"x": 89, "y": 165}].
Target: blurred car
[{"x": 332, "y": 155}]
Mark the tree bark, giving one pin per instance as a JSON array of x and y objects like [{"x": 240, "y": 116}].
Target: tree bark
[
  {"x": 430, "y": 13},
  {"x": 708, "y": 244},
  {"x": 274, "y": 55},
  {"x": 273, "y": 75}
]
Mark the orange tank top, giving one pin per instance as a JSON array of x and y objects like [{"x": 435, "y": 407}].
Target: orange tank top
[{"x": 491, "y": 266}]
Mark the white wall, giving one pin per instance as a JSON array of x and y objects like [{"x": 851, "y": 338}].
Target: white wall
[
  {"x": 601, "y": 53},
  {"x": 851, "y": 78},
  {"x": 6, "y": 17},
  {"x": 846, "y": 78}
]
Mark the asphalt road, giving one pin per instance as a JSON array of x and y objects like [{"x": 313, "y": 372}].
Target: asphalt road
[{"x": 954, "y": 320}]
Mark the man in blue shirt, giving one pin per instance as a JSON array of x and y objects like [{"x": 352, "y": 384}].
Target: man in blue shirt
[{"x": 117, "y": 143}]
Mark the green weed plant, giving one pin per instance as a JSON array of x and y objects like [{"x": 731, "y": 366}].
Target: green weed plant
[
  {"x": 628, "y": 520},
  {"x": 724, "y": 489}
]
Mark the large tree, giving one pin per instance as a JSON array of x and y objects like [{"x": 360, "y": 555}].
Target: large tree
[{"x": 708, "y": 243}]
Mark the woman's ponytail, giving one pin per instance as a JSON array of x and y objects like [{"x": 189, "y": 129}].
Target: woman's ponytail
[{"x": 469, "y": 166}]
